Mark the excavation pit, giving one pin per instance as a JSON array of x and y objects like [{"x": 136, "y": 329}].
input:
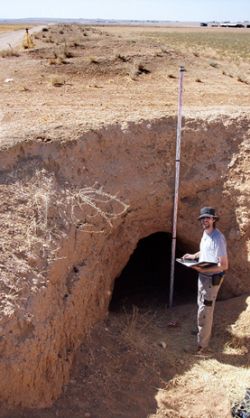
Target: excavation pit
[{"x": 88, "y": 206}]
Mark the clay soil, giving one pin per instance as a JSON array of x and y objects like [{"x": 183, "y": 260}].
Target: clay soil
[{"x": 139, "y": 362}]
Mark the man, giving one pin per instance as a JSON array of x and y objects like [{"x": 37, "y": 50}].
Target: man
[{"x": 212, "y": 249}]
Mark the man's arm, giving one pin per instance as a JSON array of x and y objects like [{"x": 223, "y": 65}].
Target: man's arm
[{"x": 221, "y": 266}]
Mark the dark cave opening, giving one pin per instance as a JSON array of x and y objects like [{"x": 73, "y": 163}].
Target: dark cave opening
[{"x": 145, "y": 280}]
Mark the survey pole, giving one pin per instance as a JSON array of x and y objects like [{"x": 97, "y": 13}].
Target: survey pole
[{"x": 177, "y": 178}]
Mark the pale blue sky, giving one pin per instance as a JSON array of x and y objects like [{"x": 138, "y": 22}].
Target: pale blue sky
[{"x": 183, "y": 10}]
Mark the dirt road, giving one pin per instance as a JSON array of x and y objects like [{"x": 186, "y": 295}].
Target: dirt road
[{"x": 14, "y": 38}]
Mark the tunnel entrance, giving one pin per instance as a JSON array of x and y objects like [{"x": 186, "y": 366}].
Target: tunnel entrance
[{"x": 145, "y": 280}]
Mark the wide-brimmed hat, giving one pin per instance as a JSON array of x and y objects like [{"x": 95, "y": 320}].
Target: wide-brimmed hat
[{"x": 208, "y": 212}]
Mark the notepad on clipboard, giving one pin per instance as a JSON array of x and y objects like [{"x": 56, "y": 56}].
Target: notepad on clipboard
[{"x": 193, "y": 263}]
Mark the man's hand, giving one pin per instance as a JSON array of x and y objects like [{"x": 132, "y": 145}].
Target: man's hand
[{"x": 189, "y": 256}]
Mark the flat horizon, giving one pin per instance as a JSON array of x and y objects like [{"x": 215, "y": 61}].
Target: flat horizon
[{"x": 117, "y": 20}]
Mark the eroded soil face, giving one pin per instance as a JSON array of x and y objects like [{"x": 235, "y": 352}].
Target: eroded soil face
[{"x": 87, "y": 159}]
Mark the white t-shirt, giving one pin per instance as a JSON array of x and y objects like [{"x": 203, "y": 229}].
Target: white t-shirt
[{"x": 212, "y": 246}]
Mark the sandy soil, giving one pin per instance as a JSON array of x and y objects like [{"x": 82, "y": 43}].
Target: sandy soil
[
  {"x": 140, "y": 362},
  {"x": 134, "y": 364}
]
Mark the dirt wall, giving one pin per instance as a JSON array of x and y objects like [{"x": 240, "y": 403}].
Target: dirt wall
[{"x": 73, "y": 212}]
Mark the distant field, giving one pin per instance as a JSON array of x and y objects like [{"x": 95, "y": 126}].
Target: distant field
[
  {"x": 234, "y": 44},
  {"x": 7, "y": 28},
  {"x": 223, "y": 42}
]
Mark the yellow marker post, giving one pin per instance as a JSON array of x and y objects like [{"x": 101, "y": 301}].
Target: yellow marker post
[{"x": 27, "y": 40}]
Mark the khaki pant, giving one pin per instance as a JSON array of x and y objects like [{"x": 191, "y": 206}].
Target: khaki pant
[{"x": 207, "y": 294}]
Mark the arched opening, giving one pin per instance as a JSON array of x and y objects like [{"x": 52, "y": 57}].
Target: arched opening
[{"x": 145, "y": 280}]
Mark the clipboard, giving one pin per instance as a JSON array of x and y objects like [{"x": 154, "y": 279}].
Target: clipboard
[{"x": 191, "y": 263}]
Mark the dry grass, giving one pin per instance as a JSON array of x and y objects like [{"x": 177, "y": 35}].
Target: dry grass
[
  {"x": 100, "y": 206},
  {"x": 56, "y": 80},
  {"x": 242, "y": 79},
  {"x": 84, "y": 208},
  {"x": 8, "y": 28},
  {"x": 135, "y": 325},
  {"x": 138, "y": 69},
  {"x": 10, "y": 52},
  {"x": 214, "y": 64},
  {"x": 230, "y": 43},
  {"x": 93, "y": 60},
  {"x": 121, "y": 57},
  {"x": 47, "y": 212},
  {"x": 142, "y": 69}
]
